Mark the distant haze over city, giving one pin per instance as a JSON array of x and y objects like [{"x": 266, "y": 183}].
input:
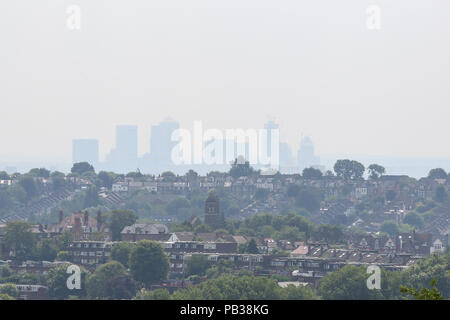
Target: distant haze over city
[
  {"x": 124, "y": 156},
  {"x": 314, "y": 67}
]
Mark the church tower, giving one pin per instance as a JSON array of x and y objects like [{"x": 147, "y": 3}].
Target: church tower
[{"x": 213, "y": 217}]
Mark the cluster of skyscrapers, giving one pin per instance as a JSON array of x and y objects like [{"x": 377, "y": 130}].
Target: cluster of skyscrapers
[{"x": 124, "y": 157}]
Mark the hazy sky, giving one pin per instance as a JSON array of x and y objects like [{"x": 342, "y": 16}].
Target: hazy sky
[{"x": 314, "y": 66}]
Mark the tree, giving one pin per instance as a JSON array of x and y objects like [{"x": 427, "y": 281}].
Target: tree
[
  {"x": 241, "y": 168},
  {"x": 375, "y": 171},
  {"x": 191, "y": 175},
  {"x": 348, "y": 169},
  {"x": 135, "y": 174},
  {"x": 175, "y": 206},
  {"x": 252, "y": 247},
  {"x": 58, "y": 179},
  {"x": 197, "y": 265},
  {"x": 424, "y": 293},
  {"x": 312, "y": 173},
  {"x": 4, "y": 175},
  {"x": 47, "y": 250},
  {"x": 39, "y": 172},
  {"x": 110, "y": 281},
  {"x": 414, "y": 219},
  {"x": 106, "y": 179},
  {"x": 290, "y": 233},
  {"x": 202, "y": 228},
  {"x": 261, "y": 194},
  {"x": 223, "y": 266},
  {"x": 168, "y": 176},
  {"x": 390, "y": 227},
  {"x": 423, "y": 272},
  {"x": 243, "y": 287},
  {"x": 158, "y": 294},
  {"x": 293, "y": 190},
  {"x": 80, "y": 168},
  {"x": 9, "y": 289},
  {"x": 19, "y": 239},
  {"x": 119, "y": 220},
  {"x": 18, "y": 193},
  {"x": 309, "y": 199},
  {"x": 6, "y": 200},
  {"x": 437, "y": 173},
  {"x": 148, "y": 263},
  {"x": 5, "y": 272},
  {"x": 91, "y": 197},
  {"x": 64, "y": 239},
  {"x": 120, "y": 252},
  {"x": 57, "y": 283},
  {"x": 440, "y": 194},
  {"x": 63, "y": 256},
  {"x": 29, "y": 185},
  {"x": 329, "y": 233},
  {"x": 390, "y": 195},
  {"x": 347, "y": 283}
]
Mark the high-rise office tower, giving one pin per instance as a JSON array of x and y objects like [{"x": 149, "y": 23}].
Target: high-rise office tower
[
  {"x": 161, "y": 145},
  {"x": 268, "y": 126},
  {"x": 306, "y": 156},
  {"x": 85, "y": 150},
  {"x": 124, "y": 158}
]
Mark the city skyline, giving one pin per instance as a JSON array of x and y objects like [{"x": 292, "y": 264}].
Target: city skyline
[
  {"x": 413, "y": 166},
  {"x": 378, "y": 92}
]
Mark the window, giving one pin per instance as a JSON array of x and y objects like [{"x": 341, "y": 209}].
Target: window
[{"x": 210, "y": 246}]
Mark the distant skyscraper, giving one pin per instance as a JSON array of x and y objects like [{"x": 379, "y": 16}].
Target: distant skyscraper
[
  {"x": 85, "y": 150},
  {"x": 161, "y": 145},
  {"x": 124, "y": 158},
  {"x": 270, "y": 125},
  {"x": 287, "y": 161},
  {"x": 306, "y": 157}
]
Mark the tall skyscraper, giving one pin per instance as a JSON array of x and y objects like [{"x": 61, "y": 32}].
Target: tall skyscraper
[
  {"x": 161, "y": 145},
  {"x": 124, "y": 158},
  {"x": 287, "y": 161},
  {"x": 268, "y": 126},
  {"x": 85, "y": 150},
  {"x": 306, "y": 157}
]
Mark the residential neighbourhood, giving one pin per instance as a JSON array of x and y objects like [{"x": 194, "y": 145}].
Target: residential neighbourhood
[{"x": 329, "y": 223}]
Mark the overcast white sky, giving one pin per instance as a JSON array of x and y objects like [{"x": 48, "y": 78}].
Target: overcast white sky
[{"x": 312, "y": 65}]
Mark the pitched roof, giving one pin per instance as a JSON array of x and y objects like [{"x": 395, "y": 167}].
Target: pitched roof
[
  {"x": 301, "y": 250},
  {"x": 146, "y": 228}
]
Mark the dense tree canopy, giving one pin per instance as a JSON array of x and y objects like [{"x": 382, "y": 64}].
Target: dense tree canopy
[
  {"x": 348, "y": 283},
  {"x": 81, "y": 168},
  {"x": 19, "y": 239},
  {"x": 349, "y": 169},
  {"x": 197, "y": 265},
  {"x": 148, "y": 263},
  {"x": 111, "y": 281},
  {"x": 309, "y": 198},
  {"x": 120, "y": 252},
  {"x": 57, "y": 283},
  {"x": 375, "y": 171},
  {"x": 437, "y": 173},
  {"x": 229, "y": 287},
  {"x": 312, "y": 173},
  {"x": 119, "y": 220}
]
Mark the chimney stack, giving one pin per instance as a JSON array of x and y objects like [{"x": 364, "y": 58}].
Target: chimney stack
[
  {"x": 99, "y": 220},
  {"x": 60, "y": 216},
  {"x": 86, "y": 218},
  {"x": 77, "y": 228}
]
